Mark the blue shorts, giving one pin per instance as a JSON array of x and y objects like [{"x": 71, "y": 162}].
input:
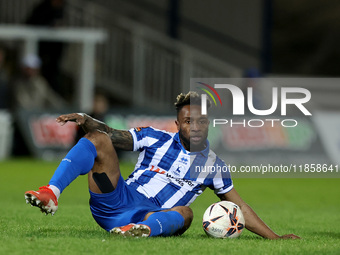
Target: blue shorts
[{"x": 120, "y": 207}]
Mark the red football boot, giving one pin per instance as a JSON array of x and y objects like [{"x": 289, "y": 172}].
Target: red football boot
[{"x": 44, "y": 198}]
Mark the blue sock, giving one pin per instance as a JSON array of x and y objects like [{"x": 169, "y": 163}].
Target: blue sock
[
  {"x": 78, "y": 161},
  {"x": 164, "y": 223}
]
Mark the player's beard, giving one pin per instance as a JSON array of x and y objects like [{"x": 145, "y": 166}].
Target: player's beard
[
  {"x": 190, "y": 146},
  {"x": 184, "y": 140}
]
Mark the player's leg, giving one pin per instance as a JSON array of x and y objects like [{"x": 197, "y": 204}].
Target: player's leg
[
  {"x": 174, "y": 221},
  {"x": 105, "y": 173},
  {"x": 188, "y": 216},
  {"x": 94, "y": 151}
]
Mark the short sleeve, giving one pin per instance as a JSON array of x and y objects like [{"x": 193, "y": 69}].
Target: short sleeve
[{"x": 144, "y": 137}]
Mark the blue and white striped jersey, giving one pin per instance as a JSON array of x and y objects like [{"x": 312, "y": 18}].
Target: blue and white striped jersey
[{"x": 165, "y": 171}]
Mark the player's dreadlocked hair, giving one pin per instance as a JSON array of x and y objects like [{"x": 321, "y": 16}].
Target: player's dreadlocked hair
[{"x": 191, "y": 97}]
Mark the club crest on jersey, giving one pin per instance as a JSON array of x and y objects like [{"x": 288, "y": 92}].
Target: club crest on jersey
[{"x": 177, "y": 171}]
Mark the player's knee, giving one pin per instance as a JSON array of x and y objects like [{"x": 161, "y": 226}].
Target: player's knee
[{"x": 99, "y": 139}]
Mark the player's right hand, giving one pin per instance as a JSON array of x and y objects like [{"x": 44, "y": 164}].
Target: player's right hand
[
  {"x": 289, "y": 236},
  {"x": 78, "y": 118}
]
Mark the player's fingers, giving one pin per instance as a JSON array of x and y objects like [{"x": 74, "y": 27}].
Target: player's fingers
[
  {"x": 78, "y": 118},
  {"x": 295, "y": 237},
  {"x": 62, "y": 119},
  {"x": 290, "y": 236}
]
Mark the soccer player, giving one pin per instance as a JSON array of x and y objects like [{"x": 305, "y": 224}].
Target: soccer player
[{"x": 155, "y": 199}]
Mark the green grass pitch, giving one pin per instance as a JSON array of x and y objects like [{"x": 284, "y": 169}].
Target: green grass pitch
[{"x": 309, "y": 208}]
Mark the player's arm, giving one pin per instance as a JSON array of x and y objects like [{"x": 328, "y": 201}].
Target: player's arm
[
  {"x": 121, "y": 139},
  {"x": 253, "y": 222}
]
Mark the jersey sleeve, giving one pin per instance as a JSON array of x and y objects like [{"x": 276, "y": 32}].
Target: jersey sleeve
[
  {"x": 222, "y": 182},
  {"x": 144, "y": 137}
]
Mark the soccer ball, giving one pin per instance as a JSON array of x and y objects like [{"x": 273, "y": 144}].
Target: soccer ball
[{"x": 223, "y": 219}]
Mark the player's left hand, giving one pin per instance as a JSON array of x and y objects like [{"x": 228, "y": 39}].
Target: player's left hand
[{"x": 289, "y": 236}]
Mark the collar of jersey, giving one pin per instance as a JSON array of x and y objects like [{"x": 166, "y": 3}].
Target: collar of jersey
[{"x": 204, "y": 152}]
